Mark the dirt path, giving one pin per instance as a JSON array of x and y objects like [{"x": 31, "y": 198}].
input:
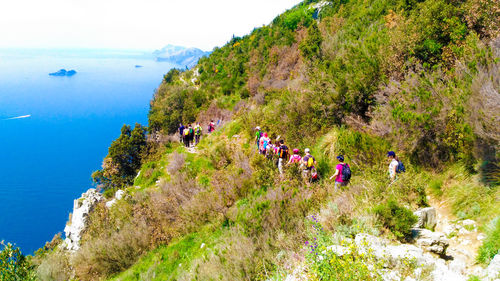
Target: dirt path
[
  {"x": 462, "y": 234},
  {"x": 192, "y": 149}
]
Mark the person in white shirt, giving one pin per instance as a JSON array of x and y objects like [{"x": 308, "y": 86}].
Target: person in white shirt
[{"x": 393, "y": 164}]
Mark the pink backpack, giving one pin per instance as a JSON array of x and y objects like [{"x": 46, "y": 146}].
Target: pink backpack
[{"x": 296, "y": 158}]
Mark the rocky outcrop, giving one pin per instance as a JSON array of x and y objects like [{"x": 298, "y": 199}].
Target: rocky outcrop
[
  {"x": 427, "y": 218},
  {"x": 81, "y": 210},
  {"x": 394, "y": 254},
  {"x": 493, "y": 270},
  {"x": 118, "y": 196},
  {"x": 435, "y": 242}
]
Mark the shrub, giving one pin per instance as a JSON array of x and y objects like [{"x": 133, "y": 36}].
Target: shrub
[
  {"x": 435, "y": 186},
  {"x": 351, "y": 266},
  {"x": 54, "y": 267},
  {"x": 123, "y": 161},
  {"x": 491, "y": 246},
  {"x": 310, "y": 47},
  {"x": 104, "y": 256},
  {"x": 14, "y": 265},
  {"x": 399, "y": 220}
]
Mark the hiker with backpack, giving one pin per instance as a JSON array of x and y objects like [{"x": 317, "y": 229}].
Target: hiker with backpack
[
  {"x": 395, "y": 165},
  {"x": 283, "y": 155},
  {"x": 342, "y": 173},
  {"x": 191, "y": 134},
  {"x": 185, "y": 136},
  {"x": 197, "y": 133},
  {"x": 264, "y": 141},
  {"x": 295, "y": 158},
  {"x": 211, "y": 126},
  {"x": 258, "y": 135},
  {"x": 270, "y": 151},
  {"x": 309, "y": 162},
  {"x": 181, "y": 131}
]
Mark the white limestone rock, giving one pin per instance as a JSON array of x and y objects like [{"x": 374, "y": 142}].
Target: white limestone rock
[
  {"x": 458, "y": 265},
  {"x": 337, "y": 250},
  {"x": 435, "y": 242},
  {"x": 469, "y": 222},
  {"x": 81, "y": 210},
  {"x": 393, "y": 254},
  {"x": 426, "y": 218},
  {"x": 118, "y": 196},
  {"x": 493, "y": 269}
]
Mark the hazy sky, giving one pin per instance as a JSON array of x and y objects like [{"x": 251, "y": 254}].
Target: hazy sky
[{"x": 131, "y": 24}]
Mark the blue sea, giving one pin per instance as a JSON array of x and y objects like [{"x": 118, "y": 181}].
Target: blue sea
[{"x": 46, "y": 159}]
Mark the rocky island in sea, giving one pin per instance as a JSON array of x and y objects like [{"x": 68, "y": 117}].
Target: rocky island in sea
[{"x": 63, "y": 72}]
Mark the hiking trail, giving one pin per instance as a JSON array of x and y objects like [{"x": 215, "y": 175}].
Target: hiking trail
[{"x": 463, "y": 235}]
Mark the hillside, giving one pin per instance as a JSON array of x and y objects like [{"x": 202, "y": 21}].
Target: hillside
[{"x": 353, "y": 78}]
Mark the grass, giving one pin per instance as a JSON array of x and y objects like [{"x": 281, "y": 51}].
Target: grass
[
  {"x": 150, "y": 173},
  {"x": 491, "y": 245},
  {"x": 169, "y": 261},
  {"x": 469, "y": 198}
]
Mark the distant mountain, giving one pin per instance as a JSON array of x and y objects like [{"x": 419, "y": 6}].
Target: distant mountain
[{"x": 179, "y": 55}]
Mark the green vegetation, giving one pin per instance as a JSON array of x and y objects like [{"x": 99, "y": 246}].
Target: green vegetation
[
  {"x": 123, "y": 160},
  {"x": 357, "y": 78},
  {"x": 491, "y": 245},
  {"x": 396, "y": 218},
  {"x": 14, "y": 265}
]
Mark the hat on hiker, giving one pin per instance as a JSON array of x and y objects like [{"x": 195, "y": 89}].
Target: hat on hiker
[
  {"x": 391, "y": 153},
  {"x": 306, "y": 150},
  {"x": 296, "y": 150},
  {"x": 257, "y": 128},
  {"x": 265, "y": 135},
  {"x": 340, "y": 158}
]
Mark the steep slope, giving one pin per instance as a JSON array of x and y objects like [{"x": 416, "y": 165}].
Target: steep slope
[{"x": 357, "y": 78}]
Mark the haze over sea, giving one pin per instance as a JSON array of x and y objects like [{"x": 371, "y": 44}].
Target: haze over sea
[{"x": 47, "y": 158}]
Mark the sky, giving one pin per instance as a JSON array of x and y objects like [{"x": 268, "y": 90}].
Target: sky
[{"x": 131, "y": 24}]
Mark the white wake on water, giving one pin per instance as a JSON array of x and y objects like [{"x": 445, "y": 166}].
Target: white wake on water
[{"x": 18, "y": 117}]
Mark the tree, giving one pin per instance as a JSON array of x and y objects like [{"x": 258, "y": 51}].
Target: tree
[
  {"x": 14, "y": 265},
  {"x": 123, "y": 161},
  {"x": 310, "y": 47}
]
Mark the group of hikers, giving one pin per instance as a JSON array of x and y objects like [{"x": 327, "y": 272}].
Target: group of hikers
[
  {"x": 277, "y": 150},
  {"x": 191, "y": 134}
]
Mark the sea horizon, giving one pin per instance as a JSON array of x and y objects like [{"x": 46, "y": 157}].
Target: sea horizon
[{"x": 67, "y": 126}]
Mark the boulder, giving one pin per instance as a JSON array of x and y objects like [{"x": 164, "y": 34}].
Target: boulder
[
  {"x": 81, "y": 210},
  {"x": 395, "y": 254},
  {"x": 337, "y": 250},
  {"x": 435, "y": 242},
  {"x": 493, "y": 269},
  {"x": 469, "y": 222},
  {"x": 426, "y": 218},
  {"x": 118, "y": 196},
  {"x": 458, "y": 265}
]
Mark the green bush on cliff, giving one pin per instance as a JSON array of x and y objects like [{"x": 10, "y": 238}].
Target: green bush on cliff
[
  {"x": 123, "y": 160},
  {"x": 14, "y": 265},
  {"x": 399, "y": 220}
]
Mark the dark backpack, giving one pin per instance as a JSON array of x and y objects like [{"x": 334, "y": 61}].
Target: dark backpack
[
  {"x": 283, "y": 152},
  {"x": 400, "y": 168},
  {"x": 346, "y": 173}
]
